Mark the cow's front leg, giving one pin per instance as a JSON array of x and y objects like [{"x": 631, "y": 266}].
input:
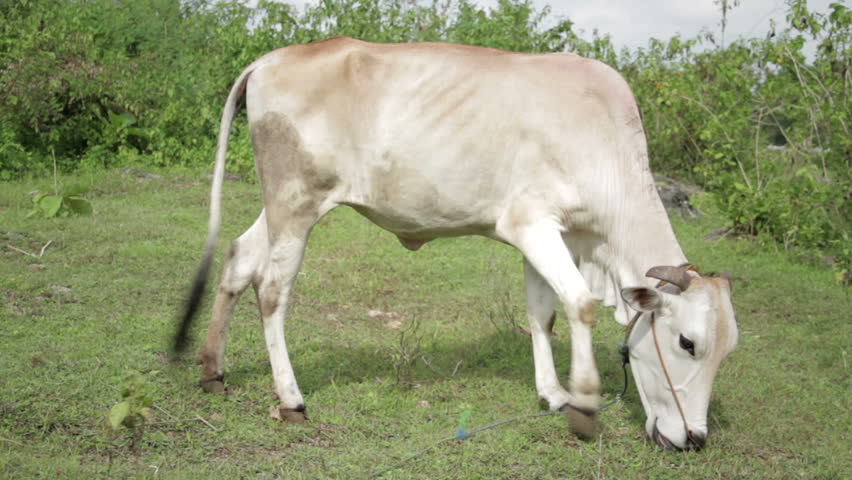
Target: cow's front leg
[
  {"x": 274, "y": 291},
  {"x": 585, "y": 381},
  {"x": 540, "y": 313},
  {"x": 546, "y": 253}
]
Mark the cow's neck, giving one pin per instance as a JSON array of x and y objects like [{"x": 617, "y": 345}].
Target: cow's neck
[{"x": 645, "y": 241}]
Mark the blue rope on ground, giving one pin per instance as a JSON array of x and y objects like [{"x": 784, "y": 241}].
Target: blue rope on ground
[{"x": 463, "y": 434}]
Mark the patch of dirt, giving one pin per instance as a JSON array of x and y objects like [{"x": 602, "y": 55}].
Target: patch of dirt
[
  {"x": 11, "y": 302},
  {"x": 383, "y": 315},
  {"x": 58, "y": 296}
]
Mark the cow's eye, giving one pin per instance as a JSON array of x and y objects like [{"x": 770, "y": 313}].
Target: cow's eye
[{"x": 687, "y": 345}]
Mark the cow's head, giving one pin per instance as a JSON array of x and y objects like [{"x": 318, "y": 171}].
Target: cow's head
[{"x": 695, "y": 328}]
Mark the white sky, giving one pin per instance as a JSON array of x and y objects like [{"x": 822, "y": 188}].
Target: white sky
[{"x": 631, "y": 23}]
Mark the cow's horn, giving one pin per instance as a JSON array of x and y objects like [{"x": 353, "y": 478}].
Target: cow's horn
[{"x": 674, "y": 275}]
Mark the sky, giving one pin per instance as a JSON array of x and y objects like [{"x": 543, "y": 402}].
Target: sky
[{"x": 631, "y": 23}]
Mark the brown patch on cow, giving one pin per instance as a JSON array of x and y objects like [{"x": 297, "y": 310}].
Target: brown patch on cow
[
  {"x": 217, "y": 330},
  {"x": 232, "y": 252},
  {"x": 723, "y": 330},
  {"x": 306, "y": 209},
  {"x": 360, "y": 67},
  {"x": 645, "y": 299},
  {"x": 207, "y": 359},
  {"x": 587, "y": 312},
  {"x": 294, "y": 181},
  {"x": 718, "y": 291},
  {"x": 269, "y": 299}
]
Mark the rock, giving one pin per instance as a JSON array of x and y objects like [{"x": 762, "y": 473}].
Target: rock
[
  {"x": 720, "y": 232},
  {"x": 675, "y": 196},
  {"x": 141, "y": 176}
]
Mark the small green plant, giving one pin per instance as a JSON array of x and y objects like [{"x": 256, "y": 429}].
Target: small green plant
[
  {"x": 407, "y": 352},
  {"x": 134, "y": 409},
  {"x": 59, "y": 203}
]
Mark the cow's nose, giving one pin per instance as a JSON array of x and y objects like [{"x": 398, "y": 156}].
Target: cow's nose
[
  {"x": 696, "y": 440},
  {"x": 661, "y": 439}
]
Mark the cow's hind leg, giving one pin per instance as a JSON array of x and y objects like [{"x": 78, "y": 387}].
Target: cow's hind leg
[
  {"x": 285, "y": 259},
  {"x": 247, "y": 256},
  {"x": 297, "y": 191},
  {"x": 549, "y": 261}
]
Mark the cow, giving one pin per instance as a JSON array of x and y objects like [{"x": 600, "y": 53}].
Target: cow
[{"x": 544, "y": 152}]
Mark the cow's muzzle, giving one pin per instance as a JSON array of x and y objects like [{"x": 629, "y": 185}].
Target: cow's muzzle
[{"x": 694, "y": 441}]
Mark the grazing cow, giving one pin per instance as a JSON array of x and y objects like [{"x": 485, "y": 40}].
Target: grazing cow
[{"x": 544, "y": 152}]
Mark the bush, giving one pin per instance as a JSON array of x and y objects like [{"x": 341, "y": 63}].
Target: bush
[
  {"x": 754, "y": 124},
  {"x": 102, "y": 83}
]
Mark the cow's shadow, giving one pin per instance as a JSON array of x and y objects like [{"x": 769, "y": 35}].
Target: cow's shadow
[{"x": 505, "y": 354}]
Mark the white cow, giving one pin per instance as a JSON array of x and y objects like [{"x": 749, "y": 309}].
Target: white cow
[{"x": 543, "y": 152}]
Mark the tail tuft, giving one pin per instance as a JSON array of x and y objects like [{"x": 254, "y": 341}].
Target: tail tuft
[{"x": 181, "y": 338}]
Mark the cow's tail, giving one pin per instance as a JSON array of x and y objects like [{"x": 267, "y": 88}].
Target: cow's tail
[{"x": 181, "y": 339}]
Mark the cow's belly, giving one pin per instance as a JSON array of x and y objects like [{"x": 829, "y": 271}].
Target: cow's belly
[
  {"x": 424, "y": 205},
  {"x": 408, "y": 226}
]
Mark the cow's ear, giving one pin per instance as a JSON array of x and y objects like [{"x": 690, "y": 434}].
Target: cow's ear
[{"x": 642, "y": 299}]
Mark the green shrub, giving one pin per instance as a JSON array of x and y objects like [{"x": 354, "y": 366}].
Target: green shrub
[{"x": 759, "y": 126}]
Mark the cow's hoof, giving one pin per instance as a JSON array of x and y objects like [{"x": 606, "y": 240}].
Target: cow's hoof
[
  {"x": 288, "y": 415},
  {"x": 583, "y": 421},
  {"x": 214, "y": 385}
]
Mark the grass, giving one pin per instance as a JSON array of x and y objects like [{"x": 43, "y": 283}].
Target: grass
[{"x": 101, "y": 303}]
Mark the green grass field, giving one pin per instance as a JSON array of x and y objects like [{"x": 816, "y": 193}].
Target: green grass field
[{"x": 101, "y": 304}]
